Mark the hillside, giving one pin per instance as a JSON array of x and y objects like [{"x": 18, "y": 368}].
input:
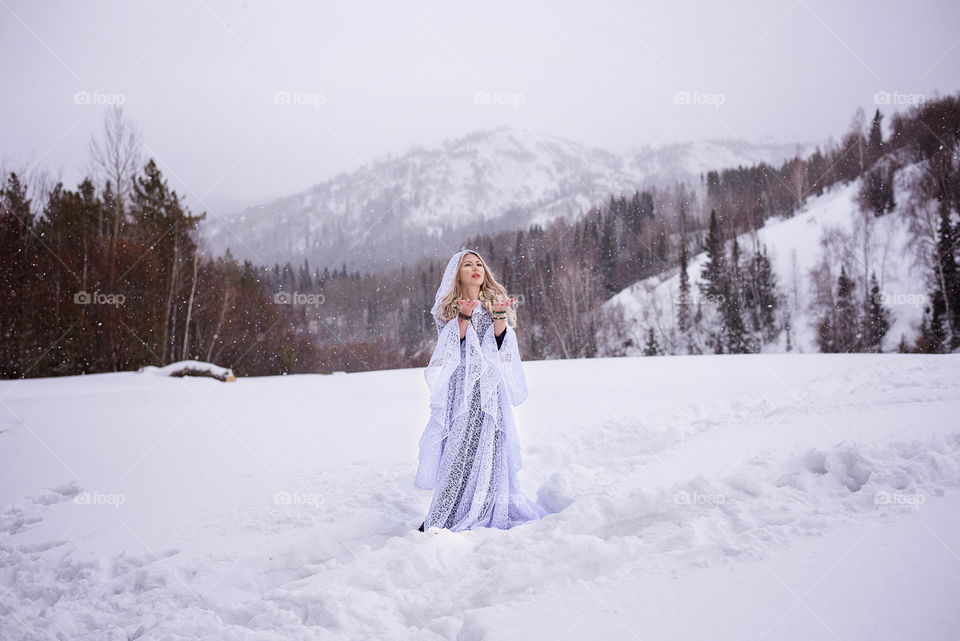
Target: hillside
[{"x": 794, "y": 247}]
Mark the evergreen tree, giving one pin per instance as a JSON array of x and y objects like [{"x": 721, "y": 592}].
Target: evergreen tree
[
  {"x": 839, "y": 328},
  {"x": 738, "y": 341},
  {"x": 167, "y": 227},
  {"x": 652, "y": 347},
  {"x": 16, "y": 217},
  {"x": 932, "y": 339},
  {"x": 306, "y": 282},
  {"x": 607, "y": 260},
  {"x": 714, "y": 269},
  {"x": 876, "y": 318},
  {"x": 845, "y": 325},
  {"x": 683, "y": 305},
  {"x": 767, "y": 297},
  {"x": 876, "y": 190},
  {"x": 875, "y": 139}
]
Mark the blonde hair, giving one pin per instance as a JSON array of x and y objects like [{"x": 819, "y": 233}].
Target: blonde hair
[{"x": 490, "y": 292}]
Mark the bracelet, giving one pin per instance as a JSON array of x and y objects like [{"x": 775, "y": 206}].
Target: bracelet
[{"x": 463, "y": 316}]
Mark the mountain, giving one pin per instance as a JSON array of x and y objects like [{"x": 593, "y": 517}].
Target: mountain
[{"x": 428, "y": 199}]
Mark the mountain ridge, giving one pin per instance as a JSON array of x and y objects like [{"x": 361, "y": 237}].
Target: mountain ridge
[{"x": 487, "y": 180}]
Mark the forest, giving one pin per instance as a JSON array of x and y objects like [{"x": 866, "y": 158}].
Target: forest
[{"x": 112, "y": 275}]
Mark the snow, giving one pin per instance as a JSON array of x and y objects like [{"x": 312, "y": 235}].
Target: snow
[
  {"x": 190, "y": 368},
  {"x": 794, "y": 248},
  {"x": 780, "y": 496}
]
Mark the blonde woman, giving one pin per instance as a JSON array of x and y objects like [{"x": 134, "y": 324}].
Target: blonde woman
[{"x": 470, "y": 450}]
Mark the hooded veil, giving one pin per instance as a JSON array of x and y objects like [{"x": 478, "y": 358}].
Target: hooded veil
[{"x": 470, "y": 450}]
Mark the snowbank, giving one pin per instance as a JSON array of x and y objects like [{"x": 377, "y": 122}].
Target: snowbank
[{"x": 191, "y": 368}]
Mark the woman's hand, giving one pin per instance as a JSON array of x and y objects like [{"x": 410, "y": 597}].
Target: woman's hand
[
  {"x": 501, "y": 305},
  {"x": 467, "y": 306}
]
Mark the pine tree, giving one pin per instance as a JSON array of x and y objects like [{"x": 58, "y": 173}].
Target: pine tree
[
  {"x": 608, "y": 255},
  {"x": 876, "y": 190},
  {"x": 767, "y": 296},
  {"x": 652, "y": 348},
  {"x": 931, "y": 339},
  {"x": 306, "y": 282},
  {"x": 839, "y": 327},
  {"x": 714, "y": 267},
  {"x": 683, "y": 305},
  {"x": 847, "y": 330},
  {"x": 875, "y": 139},
  {"x": 167, "y": 227},
  {"x": 876, "y": 318},
  {"x": 716, "y": 287},
  {"x": 738, "y": 341}
]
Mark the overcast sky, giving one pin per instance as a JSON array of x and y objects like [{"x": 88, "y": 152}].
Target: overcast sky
[{"x": 240, "y": 102}]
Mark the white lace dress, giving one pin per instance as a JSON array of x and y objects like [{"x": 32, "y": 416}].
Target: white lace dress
[{"x": 470, "y": 450}]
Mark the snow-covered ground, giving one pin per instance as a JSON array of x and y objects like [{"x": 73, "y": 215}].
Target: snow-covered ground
[
  {"x": 794, "y": 248},
  {"x": 770, "y": 496}
]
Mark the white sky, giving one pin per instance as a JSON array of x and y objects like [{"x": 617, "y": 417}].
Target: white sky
[{"x": 200, "y": 77}]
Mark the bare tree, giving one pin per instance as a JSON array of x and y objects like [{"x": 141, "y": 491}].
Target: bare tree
[
  {"x": 116, "y": 159},
  {"x": 193, "y": 289}
]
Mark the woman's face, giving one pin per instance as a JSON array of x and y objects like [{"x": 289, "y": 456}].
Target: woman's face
[{"x": 471, "y": 271}]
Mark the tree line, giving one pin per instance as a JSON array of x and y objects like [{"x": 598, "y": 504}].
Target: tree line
[{"x": 112, "y": 276}]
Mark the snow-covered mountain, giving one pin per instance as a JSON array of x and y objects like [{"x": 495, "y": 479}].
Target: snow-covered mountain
[
  {"x": 794, "y": 247},
  {"x": 405, "y": 206},
  {"x": 690, "y": 497}
]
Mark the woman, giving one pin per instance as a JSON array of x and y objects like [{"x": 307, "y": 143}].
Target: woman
[{"x": 470, "y": 451}]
